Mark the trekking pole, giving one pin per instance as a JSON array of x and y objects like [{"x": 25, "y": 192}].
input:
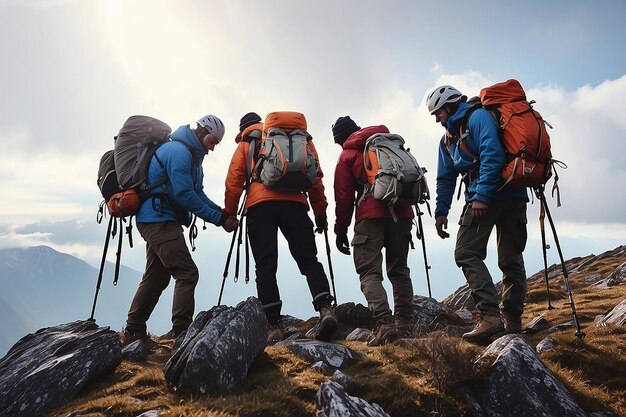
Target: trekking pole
[
  {"x": 247, "y": 279},
  {"x": 579, "y": 332},
  {"x": 230, "y": 253},
  {"x": 545, "y": 247},
  {"x": 102, "y": 262},
  {"x": 330, "y": 265},
  {"x": 422, "y": 237},
  {"x": 239, "y": 233}
]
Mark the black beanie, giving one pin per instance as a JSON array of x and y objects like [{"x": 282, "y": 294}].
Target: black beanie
[
  {"x": 248, "y": 120},
  {"x": 344, "y": 127}
]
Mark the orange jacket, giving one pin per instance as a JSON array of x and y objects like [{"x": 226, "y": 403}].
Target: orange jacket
[{"x": 236, "y": 179}]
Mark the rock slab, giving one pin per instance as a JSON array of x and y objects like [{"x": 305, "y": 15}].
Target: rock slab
[
  {"x": 220, "y": 346},
  {"x": 46, "y": 369}
]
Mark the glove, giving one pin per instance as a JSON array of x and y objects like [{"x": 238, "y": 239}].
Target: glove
[
  {"x": 342, "y": 244},
  {"x": 321, "y": 224}
]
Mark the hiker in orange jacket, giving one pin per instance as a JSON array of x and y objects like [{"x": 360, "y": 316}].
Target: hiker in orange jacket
[{"x": 267, "y": 211}]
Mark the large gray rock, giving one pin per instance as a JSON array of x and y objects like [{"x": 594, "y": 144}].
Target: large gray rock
[
  {"x": 616, "y": 317},
  {"x": 332, "y": 401},
  {"x": 45, "y": 370},
  {"x": 521, "y": 385},
  {"x": 218, "y": 349},
  {"x": 617, "y": 277}
]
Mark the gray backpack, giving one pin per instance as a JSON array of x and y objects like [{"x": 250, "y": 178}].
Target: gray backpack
[
  {"x": 135, "y": 144},
  {"x": 393, "y": 174},
  {"x": 286, "y": 161}
]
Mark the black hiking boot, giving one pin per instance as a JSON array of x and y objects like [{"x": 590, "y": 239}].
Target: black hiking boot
[{"x": 328, "y": 324}]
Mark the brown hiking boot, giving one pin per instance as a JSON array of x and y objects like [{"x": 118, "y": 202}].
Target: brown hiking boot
[
  {"x": 384, "y": 333},
  {"x": 486, "y": 326},
  {"x": 328, "y": 324},
  {"x": 512, "y": 324},
  {"x": 276, "y": 333},
  {"x": 404, "y": 328},
  {"x": 127, "y": 337}
]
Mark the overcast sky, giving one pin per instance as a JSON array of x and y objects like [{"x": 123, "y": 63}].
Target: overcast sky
[{"x": 73, "y": 71}]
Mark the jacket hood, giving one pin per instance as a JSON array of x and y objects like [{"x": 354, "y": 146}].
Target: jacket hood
[
  {"x": 242, "y": 135},
  {"x": 357, "y": 139},
  {"x": 185, "y": 135},
  {"x": 454, "y": 121}
]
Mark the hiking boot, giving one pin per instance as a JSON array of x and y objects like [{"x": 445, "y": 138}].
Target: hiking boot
[
  {"x": 512, "y": 324},
  {"x": 328, "y": 324},
  {"x": 127, "y": 337},
  {"x": 276, "y": 333},
  {"x": 384, "y": 333},
  {"x": 486, "y": 326},
  {"x": 404, "y": 328},
  {"x": 172, "y": 335}
]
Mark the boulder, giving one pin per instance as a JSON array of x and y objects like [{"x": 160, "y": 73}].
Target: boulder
[
  {"x": 46, "y": 369},
  {"x": 616, "y": 317},
  {"x": 219, "y": 348},
  {"x": 332, "y": 401},
  {"x": 521, "y": 385}
]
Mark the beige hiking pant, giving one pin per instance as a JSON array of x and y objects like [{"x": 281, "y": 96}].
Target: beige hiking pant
[
  {"x": 370, "y": 237},
  {"x": 167, "y": 255}
]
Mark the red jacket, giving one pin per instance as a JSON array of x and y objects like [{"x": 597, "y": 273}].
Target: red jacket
[{"x": 350, "y": 178}]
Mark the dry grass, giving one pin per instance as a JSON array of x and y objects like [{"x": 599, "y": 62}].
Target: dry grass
[{"x": 410, "y": 379}]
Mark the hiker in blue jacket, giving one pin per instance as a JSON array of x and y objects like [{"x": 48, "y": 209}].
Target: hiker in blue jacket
[
  {"x": 471, "y": 147},
  {"x": 177, "y": 165}
]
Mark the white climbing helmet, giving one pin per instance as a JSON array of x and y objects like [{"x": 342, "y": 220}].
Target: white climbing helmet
[
  {"x": 442, "y": 95},
  {"x": 213, "y": 125}
]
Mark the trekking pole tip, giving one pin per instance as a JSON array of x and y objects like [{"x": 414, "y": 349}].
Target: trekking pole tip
[{"x": 580, "y": 334}]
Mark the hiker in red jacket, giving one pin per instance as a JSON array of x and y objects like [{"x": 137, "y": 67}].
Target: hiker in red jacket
[{"x": 374, "y": 230}]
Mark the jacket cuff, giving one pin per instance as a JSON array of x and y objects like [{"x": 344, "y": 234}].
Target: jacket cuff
[{"x": 223, "y": 218}]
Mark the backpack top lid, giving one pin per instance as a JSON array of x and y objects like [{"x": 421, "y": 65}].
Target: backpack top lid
[
  {"x": 504, "y": 92},
  {"x": 144, "y": 129},
  {"x": 288, "y": 120}
]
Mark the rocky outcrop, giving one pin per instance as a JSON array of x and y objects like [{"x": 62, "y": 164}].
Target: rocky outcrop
[
  {"x": 332, "y": 354},
  {"x": 46, "y": 369},
  {"x": 616, "y": 317},
  {"x": 521, "y": 385},
  {"x": 218, "y": 349},
  {"x": 332, "y": 401}
]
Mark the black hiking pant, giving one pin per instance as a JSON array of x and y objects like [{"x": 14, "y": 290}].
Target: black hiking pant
[{"x": 264, "y": 221}]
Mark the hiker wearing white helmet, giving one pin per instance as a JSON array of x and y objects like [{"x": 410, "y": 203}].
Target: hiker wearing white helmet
[
  {"x": 213, "y": 125},
  {"x": 160, "y": 220},
  {"x": 471, "y": 148}
]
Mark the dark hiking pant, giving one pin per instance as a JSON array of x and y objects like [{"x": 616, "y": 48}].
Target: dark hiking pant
[
  {"x": 370, "y": 237},
  {"x": 264, "y": 221},
  {"x": 509, "y": 218},
  {"x": 167, "y": 255}
]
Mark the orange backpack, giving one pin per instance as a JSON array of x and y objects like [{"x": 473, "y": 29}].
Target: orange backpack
[
  {"x": 523, "y": 134},
  {"x": 286, "y": 161}
]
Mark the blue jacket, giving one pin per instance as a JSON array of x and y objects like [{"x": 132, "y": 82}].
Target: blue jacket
[
  {"x": 179, "y": 164},
  {"x": 482, "y": 164}
]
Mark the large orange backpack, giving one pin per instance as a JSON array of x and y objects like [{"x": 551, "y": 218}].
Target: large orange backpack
[
  {"x": 523, "y": 134},
  {"x": 286, "y": 161}
]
